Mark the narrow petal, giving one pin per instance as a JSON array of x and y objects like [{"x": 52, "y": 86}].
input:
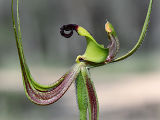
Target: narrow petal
[
  {"x": 142, "y": 36},
  {"x": 52, "y": 94},
  {"x": 37, "y": 93},
  {"x": 114, "y": 42}
]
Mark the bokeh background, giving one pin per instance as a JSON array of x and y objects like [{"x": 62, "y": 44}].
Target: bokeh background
[{"x": 128, "y": 90}]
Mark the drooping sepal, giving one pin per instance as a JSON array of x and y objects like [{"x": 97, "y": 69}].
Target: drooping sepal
[
  {"x": 53, "y": 93},
  {"x": 93, "y": 105},
  {"x": 82, "y": 96}
]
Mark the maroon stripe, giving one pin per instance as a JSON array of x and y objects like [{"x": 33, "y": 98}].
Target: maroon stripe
[
  {"x": 92, "y": 99},
  {"x": 51, "y": 96}
]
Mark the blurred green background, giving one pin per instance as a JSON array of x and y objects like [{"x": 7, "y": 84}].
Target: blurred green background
[{"x": 128, "y": 90}]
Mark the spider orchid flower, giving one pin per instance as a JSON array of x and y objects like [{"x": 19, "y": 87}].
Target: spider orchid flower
[{"x": 94, "y": 56}]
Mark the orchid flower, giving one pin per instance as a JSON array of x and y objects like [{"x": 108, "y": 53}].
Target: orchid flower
[{"x": 95, "y": 55}]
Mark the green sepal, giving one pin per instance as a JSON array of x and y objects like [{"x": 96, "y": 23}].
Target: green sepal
[
  {"x": 86, "y": 95},
  {"x": 93, "y": 104},
  {"x": 82, "y": 98}
]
